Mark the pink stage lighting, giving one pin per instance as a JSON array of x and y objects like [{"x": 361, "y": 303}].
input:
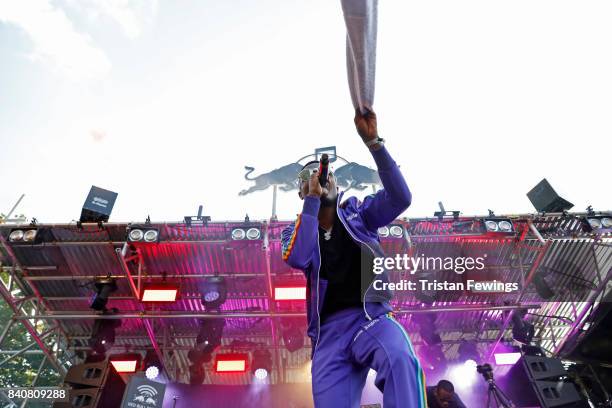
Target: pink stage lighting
[
  {"x": 290, "y": 293},
  {"x": 507, "y": 358},
  {"x": 231, "y": 363}
]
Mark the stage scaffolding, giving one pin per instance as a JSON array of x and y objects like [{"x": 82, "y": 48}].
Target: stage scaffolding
[{"x": 48, "y": 287}]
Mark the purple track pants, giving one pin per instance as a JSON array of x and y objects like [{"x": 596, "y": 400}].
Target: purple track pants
[{"x": 349, "y": 345}]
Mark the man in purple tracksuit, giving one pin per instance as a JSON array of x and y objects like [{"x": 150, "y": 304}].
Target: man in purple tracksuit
[{"x": 349, "y": 321}]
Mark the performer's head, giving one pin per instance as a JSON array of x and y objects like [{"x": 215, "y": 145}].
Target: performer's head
[
  {"x": 444, "y": 392},
  {"x": 330, "y": 191}
]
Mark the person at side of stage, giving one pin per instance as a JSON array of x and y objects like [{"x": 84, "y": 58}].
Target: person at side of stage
[
  {"x": 443, "y": 395},
  {"x": 351, "y": 328}
]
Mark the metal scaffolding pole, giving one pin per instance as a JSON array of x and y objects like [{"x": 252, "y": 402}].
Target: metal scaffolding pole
[{"x": 189, "y": 315}]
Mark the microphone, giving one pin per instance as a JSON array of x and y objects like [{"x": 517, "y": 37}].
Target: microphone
[{"x": 323, "y": 169}]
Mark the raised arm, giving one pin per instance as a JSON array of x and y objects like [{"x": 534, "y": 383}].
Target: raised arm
[
  {"x": 299, "y": 239},
  {"x": 387, "y": 204}
]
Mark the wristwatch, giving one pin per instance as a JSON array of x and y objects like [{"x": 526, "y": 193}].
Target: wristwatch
[{"x": 378, "y": 141}]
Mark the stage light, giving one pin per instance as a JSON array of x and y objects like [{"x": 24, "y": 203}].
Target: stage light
[
  {"x": 136, "y": 235},
  {"x": 23, "y": 235},
  {"x": 290, "y": 293},
  {"x": 98, "y": 205},
  {"x": 238, "y": 234},
  {"x": 159, "y": 293},
  {"x": 468, "y": 351},
  {"x": 507, "y": 358},
  {"x": 16, "y": 235},
  {"x": 463, "y": 375},
  {"x": 261, "y": 363},
  {"x": 103, "y": 334},
  {"x": 497, "y": 225},
  {"x": 210, "y": 335},
  {"x": 152, "y": 365},
  {"x": 125, "y": 363},
  {"x": 522, "y": 331},
  {"x": 491, "y": 225},
  {"x": 293, "y": 337},
  {"x": 143, "y": 234},
  {"x": 597, "y": 224},
  {"x": 253, "y": 233},
  {"x": 213, "y": 292},
  {"x": 545, "y": 199},
  {"x": 104, "y": 287},
  {"x": 151, "y": 235},
  {"x": 231, "y": 363},
  {"x": 152, "y": 372},
  {"x": 261, "y": 373},
  {"x": 383, "y": 232},
  {"x": 396, "y": 231}
]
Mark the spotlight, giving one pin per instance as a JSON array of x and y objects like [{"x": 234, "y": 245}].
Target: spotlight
[
  {"x": 597, "y": 224},
  {"x": 23, "y": 235},
  {"x": 396, "y": 231},
  {"x": 98, "y": 205},
  {"x": 103, "y": 335},
  {"x": 143, "y": 234},
  {"x": 261, "y": 374},
  {"x": 253, "y": 233},
  {"x": 262, "y": 363},
  {"x": 498, "y": 226},
  {"x": 16, "y": 235},
  {"x": 152, "y": 365},
  {"x": 522, "y": 331},
  {"x": 125, "y": 363},
  {"x": 104, "y": 287},
  {"x": 152, "y": 372},
  {"x": 231, "y": 363},
  {"x": 162, "y": 292},
  {"x": 238, "y": 234},
  {"x": 213, "y": 292},
  {"x": 293, "y": 337},
  {"x": 383, "y": 232},
  {"x": 210, "y": 335}
]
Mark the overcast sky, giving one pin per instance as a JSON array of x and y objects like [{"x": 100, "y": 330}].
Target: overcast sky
[{"x": 166, "y": 102}]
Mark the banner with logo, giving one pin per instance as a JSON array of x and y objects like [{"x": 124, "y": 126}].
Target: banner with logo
[{"x": 143, "y": 393}]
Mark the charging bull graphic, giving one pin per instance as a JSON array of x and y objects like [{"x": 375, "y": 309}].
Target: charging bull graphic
[
  {"x": 354, "y": 175},
  {"x": 350, "y": 175},
  {"x": 285, "y": 177}
]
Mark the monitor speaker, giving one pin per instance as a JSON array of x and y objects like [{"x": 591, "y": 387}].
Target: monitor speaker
[{"x": 545, "y": 199}]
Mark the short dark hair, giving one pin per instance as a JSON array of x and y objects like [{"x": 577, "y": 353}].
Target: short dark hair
[{"x": 446, "y": 386}]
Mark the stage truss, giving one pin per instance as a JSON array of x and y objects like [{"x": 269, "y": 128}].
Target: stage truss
[{"x": 47, "y": 285}]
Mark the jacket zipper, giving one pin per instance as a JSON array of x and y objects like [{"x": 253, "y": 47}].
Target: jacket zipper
[{"x": 361, "y": 242}]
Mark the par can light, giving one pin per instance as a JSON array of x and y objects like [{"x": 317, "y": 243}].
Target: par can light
[
  {"x": 383, "y": 232},
  {"x": 253, "y": 233},
  {"x": 238, "y": 234},
  {"x": 396, "y": 231},
  {"x": 16, "y": 235}
]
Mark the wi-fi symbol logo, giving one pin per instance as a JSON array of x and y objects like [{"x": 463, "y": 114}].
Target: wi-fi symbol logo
[{"x": 147, "y": 390}]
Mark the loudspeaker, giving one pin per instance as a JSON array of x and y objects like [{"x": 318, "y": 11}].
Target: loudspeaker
[
  {"x": 538, "y": 381},
  {"x": 93, "y": 385},
  {"x": 545, "y": 199},
  {"x": 98, "y": 205}
]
